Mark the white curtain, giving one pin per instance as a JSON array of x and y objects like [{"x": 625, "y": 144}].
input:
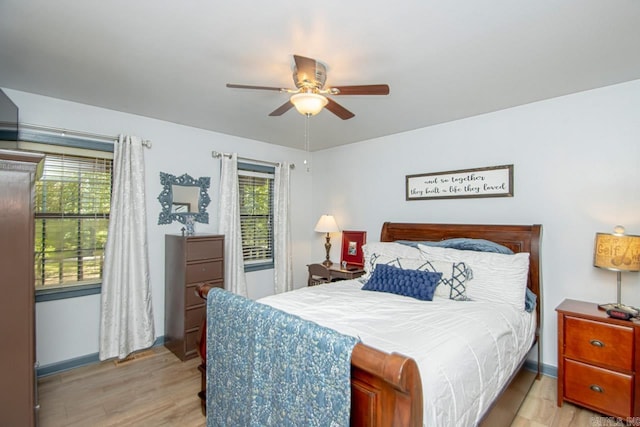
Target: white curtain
[
  {"x": 126, "y": 318},
  {"x": 283, "y": 275},
  {"x": 229, "y": 225}
]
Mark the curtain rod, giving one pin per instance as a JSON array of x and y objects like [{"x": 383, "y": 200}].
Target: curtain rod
[
  {"x": 80, "y": 134},
  {"x": 217, "y": 155}
]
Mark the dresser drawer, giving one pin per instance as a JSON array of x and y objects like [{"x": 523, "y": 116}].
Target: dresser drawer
[
  {"x": 191, "y": 342},
  {"x": 198, "y": 249},
  {"x": 193, "y": 317},
  {"x": 596, "y": 342},
  {"x": 204, "y": 271},
  {"x": 191, "y": 297},
  {"x": 601, "y": 389}
]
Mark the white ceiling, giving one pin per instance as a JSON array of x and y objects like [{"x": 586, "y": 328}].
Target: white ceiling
[{"x": 444, "y": 60}]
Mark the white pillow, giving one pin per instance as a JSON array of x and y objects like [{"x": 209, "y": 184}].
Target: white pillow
[
  {"x": 496, "y": 277},
  {"x": 451, "y": 285},
  {"x": 390, "y": 249}
]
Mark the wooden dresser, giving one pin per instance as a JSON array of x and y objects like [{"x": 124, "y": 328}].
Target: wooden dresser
[
  {"x": 189, "y": 261},
  {"x": 18, "y": 401},
  {"x": 598, "y": 360}
]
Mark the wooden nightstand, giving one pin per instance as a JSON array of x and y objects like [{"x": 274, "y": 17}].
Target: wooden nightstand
[
  {"x": 322, "y": 274},
  {"x": 339, "y": 273},
  {"x": 598, "y": 360}
]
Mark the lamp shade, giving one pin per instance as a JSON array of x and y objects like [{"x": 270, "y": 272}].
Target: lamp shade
[
  {"x": 326, "y": 224},
  {"x": 309, "y": 104},
  {"x": 617, "y": 251}
]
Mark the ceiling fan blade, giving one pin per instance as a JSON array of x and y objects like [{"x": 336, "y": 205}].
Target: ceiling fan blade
[
  {"x": 234, "y": 86},
  {"x": 339, "y": 110},
  {"x": 282, "y": 109},
  {"x": 362, "y": 90},
  {"x": 306, "y": 68}
]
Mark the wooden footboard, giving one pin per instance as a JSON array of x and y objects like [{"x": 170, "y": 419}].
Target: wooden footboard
[{"x": 386, "y": 389}]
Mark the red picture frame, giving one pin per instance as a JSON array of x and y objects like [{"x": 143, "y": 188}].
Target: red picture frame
[{"x": 352, "y": 242}]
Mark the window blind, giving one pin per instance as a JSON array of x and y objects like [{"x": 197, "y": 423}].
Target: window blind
[
  {"x": 256, "y": 215},
  {"x": 72, "y": 204}
]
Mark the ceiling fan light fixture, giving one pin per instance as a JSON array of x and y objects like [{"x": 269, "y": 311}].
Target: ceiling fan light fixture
[{"x": 309, "y": 104}]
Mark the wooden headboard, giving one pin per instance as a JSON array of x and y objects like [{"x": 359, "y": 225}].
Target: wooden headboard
[{"x": 518, "y": 238}]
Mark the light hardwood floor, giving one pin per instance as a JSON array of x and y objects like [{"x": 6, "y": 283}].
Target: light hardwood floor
[
  {"x": 154, "y": 390},
  {"x": 158, "y": 389}
]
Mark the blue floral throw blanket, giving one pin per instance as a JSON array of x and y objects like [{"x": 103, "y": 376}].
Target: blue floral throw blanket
[{"x": 266, "y": 367}]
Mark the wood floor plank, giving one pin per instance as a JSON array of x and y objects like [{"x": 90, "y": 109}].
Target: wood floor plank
[
  {"x": 160, "y": 390},
  {"x": 156, "y": 390}
]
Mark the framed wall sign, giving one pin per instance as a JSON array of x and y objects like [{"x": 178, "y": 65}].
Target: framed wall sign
[
  {"x": 352, "y": 242},
  {"x": 494, "y": 181}
]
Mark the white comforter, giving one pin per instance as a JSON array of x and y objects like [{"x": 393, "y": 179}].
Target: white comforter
[{"x": 466, "y": 351}]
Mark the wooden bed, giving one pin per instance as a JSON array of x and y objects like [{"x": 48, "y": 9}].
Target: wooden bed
[{"x": 386, "y": 388}]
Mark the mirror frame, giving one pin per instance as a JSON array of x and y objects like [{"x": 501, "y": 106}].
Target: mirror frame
[{"x": 166, "y": 198}]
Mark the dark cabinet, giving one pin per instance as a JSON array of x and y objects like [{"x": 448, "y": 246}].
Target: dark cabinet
[
  {"x": 18, "y": 402},
  {"x": 189, "y": 261}
]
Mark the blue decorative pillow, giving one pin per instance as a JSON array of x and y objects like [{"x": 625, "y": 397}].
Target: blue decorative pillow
[
  {"x": 530, "y": 300},
  {"x": 411, "y": 283},
  {"x": 463, "y": 244},
  {"x": 452, "y": 285}
]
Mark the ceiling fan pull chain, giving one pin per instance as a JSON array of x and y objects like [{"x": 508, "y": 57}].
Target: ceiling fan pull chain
[{"x": 307, "y": 163}]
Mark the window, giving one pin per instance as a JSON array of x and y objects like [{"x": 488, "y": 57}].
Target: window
[
  {"x": 256, "y": 215},
  {"x": 72, "y": 203}
]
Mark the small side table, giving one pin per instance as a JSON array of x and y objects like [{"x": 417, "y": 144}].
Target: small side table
[
  {"x": 322, "y": 274},
  {"x": 339, "y": 273}
]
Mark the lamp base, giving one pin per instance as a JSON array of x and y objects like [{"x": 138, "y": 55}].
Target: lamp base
[
  {"x": 327, "y": 246},
  {"x": 634, "y": 312}
]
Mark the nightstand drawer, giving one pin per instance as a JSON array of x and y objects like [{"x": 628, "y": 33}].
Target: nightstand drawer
[
  {"x": 596, "y": 342},
  {"x": 601, "y": 389}
]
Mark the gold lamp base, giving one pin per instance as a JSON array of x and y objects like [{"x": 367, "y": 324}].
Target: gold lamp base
[{"x": 327, "y": 246}]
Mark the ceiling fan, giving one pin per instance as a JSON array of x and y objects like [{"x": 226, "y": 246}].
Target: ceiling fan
[{"x": 309, "y": 97}]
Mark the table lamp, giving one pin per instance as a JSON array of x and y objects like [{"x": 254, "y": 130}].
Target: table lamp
[
  {"x": 617, "y": 252},
  {"x": 327, "y": 224}
]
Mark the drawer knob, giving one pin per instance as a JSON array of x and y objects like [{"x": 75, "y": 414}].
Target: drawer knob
[
  {"x": 597, "y": 343},
  {"x": 596, "y": 388}
]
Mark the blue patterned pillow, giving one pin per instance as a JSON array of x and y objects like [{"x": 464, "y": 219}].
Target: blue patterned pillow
[
  {"x": 530, "y": 300},
  {"x": 463, "y": 244},
  {"x": 452, "y": 285},
  {"x": 411, "y": 283}
]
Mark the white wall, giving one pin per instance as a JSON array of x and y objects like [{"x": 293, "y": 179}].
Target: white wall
[
  {"x": 68, "y": 329},
  {"x": 576, "y": 172}
]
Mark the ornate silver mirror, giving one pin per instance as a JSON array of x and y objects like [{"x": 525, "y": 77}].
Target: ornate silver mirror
[{"x": 182, "y": 197}]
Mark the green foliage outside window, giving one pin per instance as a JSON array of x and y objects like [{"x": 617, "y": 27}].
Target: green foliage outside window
[
  {"x": 72, "y": 203},
  {"x": 256, "y": 216}
]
